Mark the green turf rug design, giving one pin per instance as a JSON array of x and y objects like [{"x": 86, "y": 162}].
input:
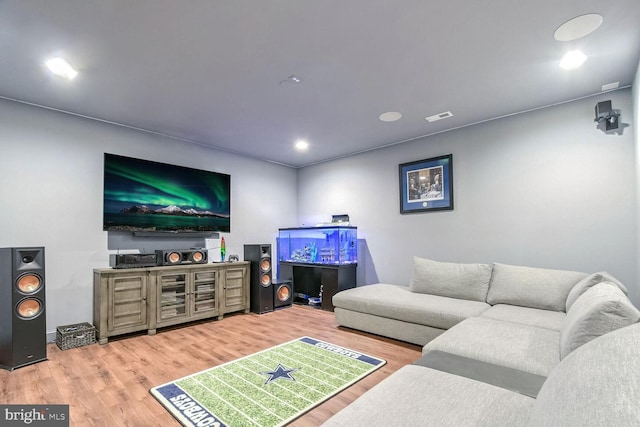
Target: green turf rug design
[{"x": 268, "y": 388}]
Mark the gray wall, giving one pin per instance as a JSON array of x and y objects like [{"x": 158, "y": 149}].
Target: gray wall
[
  {"x": 544, "y": 188},
  {"x": 636, "y": 134},
  {"x": 51, "y": 195}
]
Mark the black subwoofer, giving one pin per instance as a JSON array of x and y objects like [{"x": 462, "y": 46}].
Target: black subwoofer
[
  {"x": 261, "y": 284},
  {"x": 282, "y": 294},
  {"x": 23, "y": 323}
]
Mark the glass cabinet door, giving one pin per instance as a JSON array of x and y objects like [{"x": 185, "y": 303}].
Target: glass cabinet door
[
  {"x": 173, "y": 291},
  {"x": 204, "y": 285}
]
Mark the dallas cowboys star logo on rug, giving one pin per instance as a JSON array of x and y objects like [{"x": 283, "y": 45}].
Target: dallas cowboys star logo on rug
[{"x": 279, "y": 373}]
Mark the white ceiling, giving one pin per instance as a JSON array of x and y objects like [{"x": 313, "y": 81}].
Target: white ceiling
[{"x": 209, "y": 71}]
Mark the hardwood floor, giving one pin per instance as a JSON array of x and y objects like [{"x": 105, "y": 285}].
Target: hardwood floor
[{"x": 108, "y": 385}]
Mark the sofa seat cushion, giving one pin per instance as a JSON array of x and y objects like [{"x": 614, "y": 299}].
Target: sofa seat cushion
[
  {"x": 601, "y": 309},
  {"x": 531, "y": 287},
  {"x": 522, "y": 347},
  {"x": 449, "y": 279},
  {"x": 596, "y": 385},
  {"x": 398, "y": 302},
  {"x": 419, "y": 396},
  {"x": 526, "y": 316}
]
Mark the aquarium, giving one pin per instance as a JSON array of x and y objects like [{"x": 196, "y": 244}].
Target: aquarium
[{"x": 337, "y": 245}]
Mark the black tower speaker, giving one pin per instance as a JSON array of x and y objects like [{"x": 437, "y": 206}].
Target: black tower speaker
[
  {"x": 261, "y": 292},
  {"x": 23, "y": 322}
]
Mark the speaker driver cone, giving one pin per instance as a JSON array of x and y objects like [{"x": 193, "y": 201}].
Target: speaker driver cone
[
  {"x": 29, "y": 308},
  {"x": 283, "y": 293},
  {"x": 197, "y": 256},
  {"x": 174, "y": 257},
  {"x": 29, "y": 283},
  {"x": 265, "y": 265},
  {"x": 265, "y": 280}
]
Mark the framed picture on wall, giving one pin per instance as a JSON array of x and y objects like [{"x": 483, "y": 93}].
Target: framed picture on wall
[{"x": 426, "y": 185}]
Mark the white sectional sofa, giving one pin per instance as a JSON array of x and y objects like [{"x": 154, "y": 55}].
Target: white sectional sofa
[{"x": 503, "y": 345}]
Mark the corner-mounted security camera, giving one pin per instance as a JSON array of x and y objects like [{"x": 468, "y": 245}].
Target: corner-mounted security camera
[{"x": 606, "y": 117}]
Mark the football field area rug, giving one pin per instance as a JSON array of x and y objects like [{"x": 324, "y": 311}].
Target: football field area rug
[{"x": 269, "y": 388}]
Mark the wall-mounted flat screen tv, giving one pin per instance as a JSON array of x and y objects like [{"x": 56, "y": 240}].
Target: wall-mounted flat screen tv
[{"x": 141, "y": 195}]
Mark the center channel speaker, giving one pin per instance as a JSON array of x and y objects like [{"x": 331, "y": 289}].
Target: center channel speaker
[
  {"x": 181, "y": 256},
  {"x": 261, "y": 283},
  {"x": 23, "y": 322}
]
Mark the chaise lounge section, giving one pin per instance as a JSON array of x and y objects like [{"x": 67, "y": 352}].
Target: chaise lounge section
[
  {"x": 395, "y": 311},
  {"x": 596, "y": 385}
]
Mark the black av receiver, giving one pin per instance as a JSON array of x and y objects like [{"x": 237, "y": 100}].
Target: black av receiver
[{"x": 133, "y": 260}]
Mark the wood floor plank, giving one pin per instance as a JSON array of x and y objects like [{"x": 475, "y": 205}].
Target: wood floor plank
[{"x": 108, "y": 385}]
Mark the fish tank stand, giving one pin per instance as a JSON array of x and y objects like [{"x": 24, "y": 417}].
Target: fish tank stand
[{"x": 316, "y": 285}]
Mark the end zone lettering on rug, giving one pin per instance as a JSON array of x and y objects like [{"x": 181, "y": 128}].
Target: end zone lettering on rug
[
  {"x": 266, "y": 389},
  {"x": 197, "y": 415},
  {"x": 341, "y": 350}
]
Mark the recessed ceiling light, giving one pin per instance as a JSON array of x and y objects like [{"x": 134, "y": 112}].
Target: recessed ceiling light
[
  {"x": 440, "y": 116},
  {"x": 572, "y": 60},
  {"x": 390, "y": 116},
  {"x": 578, "y": 27},
  {"x": 60, "y": 67},
  {"x": 302, "y": 145}
]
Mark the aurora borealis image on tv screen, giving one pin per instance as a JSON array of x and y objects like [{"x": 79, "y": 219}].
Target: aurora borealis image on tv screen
[{"x": 141, "y": 195}]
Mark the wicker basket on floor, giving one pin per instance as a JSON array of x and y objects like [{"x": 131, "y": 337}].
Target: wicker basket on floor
[{"x": 78, "y": 335}]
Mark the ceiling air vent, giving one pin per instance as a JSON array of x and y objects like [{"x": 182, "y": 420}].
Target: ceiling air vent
[
  {"x": 440, "y": 116},
  {"x": 610, "y": 86}
]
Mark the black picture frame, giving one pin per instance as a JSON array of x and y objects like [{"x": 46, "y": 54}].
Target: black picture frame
[{"x": 426, "y": 185}]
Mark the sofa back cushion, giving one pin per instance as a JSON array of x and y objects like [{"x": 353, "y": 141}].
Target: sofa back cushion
[
  {"x": 601, "y": 309},
  {"x": 589, "y": 281},
  {"x": 596, "y": 385},
  {"x": 448, "y": 279},
  {"x": 531, "y": 287}
]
